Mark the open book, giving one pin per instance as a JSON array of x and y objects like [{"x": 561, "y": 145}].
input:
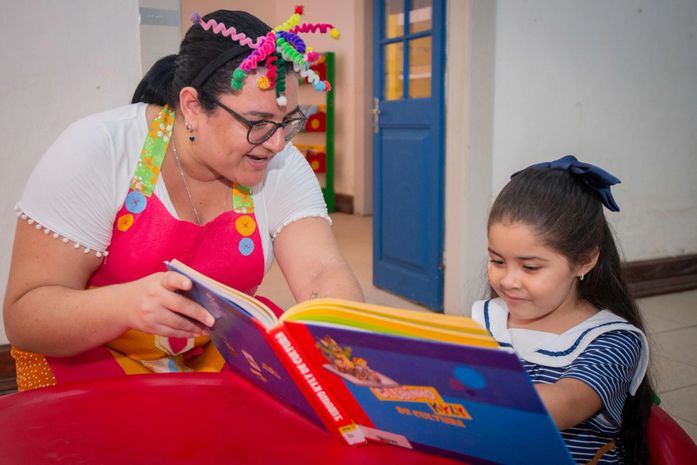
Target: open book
[{"x": 433, "y": 382}]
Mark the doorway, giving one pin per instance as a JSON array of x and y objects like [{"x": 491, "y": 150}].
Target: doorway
[{"x": 408, "y": 148}]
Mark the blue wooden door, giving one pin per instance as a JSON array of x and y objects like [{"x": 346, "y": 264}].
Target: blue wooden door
[{"x": 408, "y": 148}]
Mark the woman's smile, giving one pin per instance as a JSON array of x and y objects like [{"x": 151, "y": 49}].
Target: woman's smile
[{"x": 259, "y": 162}]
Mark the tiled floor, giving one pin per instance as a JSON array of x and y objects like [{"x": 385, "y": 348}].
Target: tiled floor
[
  {"x": 671, "y": 321},
  {"x": 354, "y": 234}
]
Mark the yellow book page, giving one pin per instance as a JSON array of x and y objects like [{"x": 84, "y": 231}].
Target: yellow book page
[
  {"x": 431, "y": 320},
  {"x": 418, "y": 324},
  {"x": 436, "y": 320},
  {"x": 349, "y": 314}
]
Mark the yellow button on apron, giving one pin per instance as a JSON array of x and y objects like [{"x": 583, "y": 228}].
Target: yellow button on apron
[
  {"x": 125, "y": 222},
  {"x": 245, "y": 225}
]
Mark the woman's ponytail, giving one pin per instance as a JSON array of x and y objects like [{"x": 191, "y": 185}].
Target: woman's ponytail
[{"x": 156, "y": 85}]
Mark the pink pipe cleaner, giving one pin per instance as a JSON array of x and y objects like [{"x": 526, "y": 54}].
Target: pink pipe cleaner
[
  {"x": 307, "y": 27},
  {"x": 267, "y": 47},
  {"x": 220, "y": 28}
]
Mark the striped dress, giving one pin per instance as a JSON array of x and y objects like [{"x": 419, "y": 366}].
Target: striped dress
[{"x": 605, "y": 352}]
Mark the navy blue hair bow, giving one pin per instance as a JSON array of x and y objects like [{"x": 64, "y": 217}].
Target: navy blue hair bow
[{"x": 596, "y": 178}]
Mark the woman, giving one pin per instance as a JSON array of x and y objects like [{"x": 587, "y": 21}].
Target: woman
[{"x": 194, "y": 169}]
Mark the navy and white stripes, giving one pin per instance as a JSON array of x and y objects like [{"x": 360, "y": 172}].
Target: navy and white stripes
[
  {"x": 605, "y": 352},
  {"x": 607, "y": 365}
]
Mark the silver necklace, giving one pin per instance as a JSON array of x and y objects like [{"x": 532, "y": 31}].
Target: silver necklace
[{"x": 186, "y": 184}]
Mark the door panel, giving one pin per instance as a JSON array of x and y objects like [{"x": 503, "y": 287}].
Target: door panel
[
  {"x": 403, "y": 195},
  {"x": 408, "y": 149}
]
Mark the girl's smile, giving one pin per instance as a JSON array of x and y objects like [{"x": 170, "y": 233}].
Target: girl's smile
[{"x": 538, "y": 284}]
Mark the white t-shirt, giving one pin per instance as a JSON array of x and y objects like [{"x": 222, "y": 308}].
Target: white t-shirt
[{"x": 81, "y": 182}]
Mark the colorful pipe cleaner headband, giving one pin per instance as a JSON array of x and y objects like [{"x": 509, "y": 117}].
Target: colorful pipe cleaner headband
[
  {"x": 596, "y": 178},
  {"x": 282, "y": 45}
]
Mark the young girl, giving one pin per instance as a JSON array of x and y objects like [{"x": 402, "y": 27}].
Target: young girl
[{"x": 560, "y": 301}]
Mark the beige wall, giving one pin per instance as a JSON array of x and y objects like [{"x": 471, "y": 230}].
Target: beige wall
[{"x": 352, "y": 90}]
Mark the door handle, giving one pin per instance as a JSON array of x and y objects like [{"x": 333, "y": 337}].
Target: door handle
[{"x": 375, "y": 111}]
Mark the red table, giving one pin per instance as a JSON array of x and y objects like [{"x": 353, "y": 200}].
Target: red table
[{"x": 193, "y": 418}]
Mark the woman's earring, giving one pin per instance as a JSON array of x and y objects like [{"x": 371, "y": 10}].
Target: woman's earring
[
  {"x": 582, "y": 276},
  {"x": 191, "y": 132}
]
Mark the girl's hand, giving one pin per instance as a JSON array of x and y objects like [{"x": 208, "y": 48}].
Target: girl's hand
[{"x": 155, "y": 307}]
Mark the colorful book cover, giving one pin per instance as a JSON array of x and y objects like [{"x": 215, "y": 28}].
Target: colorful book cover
[
  {"x": 247, "y": 334},
  {"x": 470, "y": 403},
  {"x": 433, "y": 382}
]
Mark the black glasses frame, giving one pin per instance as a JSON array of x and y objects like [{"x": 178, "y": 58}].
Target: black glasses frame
[{"x": 252, "y": 124}]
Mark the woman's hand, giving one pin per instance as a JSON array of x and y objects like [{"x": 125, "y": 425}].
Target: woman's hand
[
  {"x": 48, "y": 310},
  {"x": 155, "y": 307}
]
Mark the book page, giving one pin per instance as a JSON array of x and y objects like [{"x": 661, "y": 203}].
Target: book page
[
  {"x": 373, "y": 318},
  {"x": 440, "y": 320}
]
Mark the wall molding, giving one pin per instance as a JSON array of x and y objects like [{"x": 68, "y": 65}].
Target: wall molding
[
  {"x": 661, "y": 275},
  {"x": 645, "y": 278},
  {"x": 343, "y": 203},
  {"x": 7, "y": 371}
]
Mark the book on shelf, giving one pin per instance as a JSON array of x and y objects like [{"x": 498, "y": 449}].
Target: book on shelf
[{"x": 433, "y": 382}]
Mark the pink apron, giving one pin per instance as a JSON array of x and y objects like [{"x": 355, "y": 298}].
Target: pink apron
[{"x": 145, "y": 234}]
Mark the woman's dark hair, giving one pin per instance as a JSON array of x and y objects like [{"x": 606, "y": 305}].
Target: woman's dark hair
[
  {"x": 568, "y": 216},
  {"x": 198, "y": 50}
]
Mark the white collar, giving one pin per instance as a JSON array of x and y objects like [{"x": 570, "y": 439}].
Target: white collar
[{"x": 561, "y": 350}]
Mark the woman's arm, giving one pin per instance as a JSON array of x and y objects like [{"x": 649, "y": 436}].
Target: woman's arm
[
  {"x": 48, "y": 310},
  {"x": 569, "y": 401},
  {"x": 309, "y": 257}
]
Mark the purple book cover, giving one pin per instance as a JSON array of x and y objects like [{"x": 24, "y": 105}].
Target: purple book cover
[{"x": 244, "y": 345}]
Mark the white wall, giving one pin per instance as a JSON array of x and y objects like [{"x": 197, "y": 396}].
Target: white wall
[
  {"x": 160, "y": 30},
  {"x": 469, "y": 102},
  {"x": 614, "y": 83},
  {"x": 60, "y": 61}
]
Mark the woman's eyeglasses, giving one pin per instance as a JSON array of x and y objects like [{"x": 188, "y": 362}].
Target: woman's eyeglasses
[{"x": 259, "y": 132}]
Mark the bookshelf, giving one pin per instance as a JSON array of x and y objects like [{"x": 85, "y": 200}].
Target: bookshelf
[{"x": 316, "y": 141}]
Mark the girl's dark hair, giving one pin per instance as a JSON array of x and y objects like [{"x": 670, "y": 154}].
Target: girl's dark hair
[
  {"x": 568, "y": 216},
  {"x": 199, "y": 48}
]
